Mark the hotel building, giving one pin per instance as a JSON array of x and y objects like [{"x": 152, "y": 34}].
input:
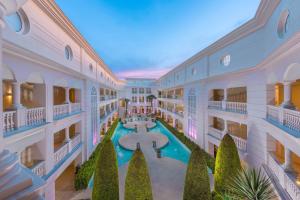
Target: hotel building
[{"x": 59, "y": 97}]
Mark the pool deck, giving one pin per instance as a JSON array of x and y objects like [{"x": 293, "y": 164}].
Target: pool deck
[
  {"x": 144, "y": 139},
  {"x": 167, "y": 175}
]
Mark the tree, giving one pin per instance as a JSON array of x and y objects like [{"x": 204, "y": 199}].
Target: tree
[
  {"x": 106, "y": 181},
  {"x": 251, "y": 184},
  {"x": 197, "y": 185},
  {"x": 227, "y": 164},
  {"x": 126, "y": 106},
  {"x": 150, "y": 98},
  {"x": 137, "y": 183}
]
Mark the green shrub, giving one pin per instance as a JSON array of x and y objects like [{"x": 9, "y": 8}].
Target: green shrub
[
  {"x": 197, "y": 185},
  {"x": 87, "y": 169},
  {"x": 210, "y": 161},
  {"x": 106, "y": 181},
  {"x": 228, "y": 164},
  {"x": 138, "y": 184}
]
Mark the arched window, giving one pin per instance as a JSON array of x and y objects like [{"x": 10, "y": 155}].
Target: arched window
[
  {"x": 94, "y": 116},
  {"x": 68, "y": 53},
  {"x": 18, "y": 22},
  {"x": 192, "y": 114}
]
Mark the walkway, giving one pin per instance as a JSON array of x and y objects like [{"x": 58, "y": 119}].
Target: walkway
[{"x": 167, "y": 175}]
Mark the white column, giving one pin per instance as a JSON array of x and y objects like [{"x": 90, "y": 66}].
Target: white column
[
  {"x": 17, "y": 95},
  {"x": 287, "y": 96},
  {"x": 49, "y": 103},
  {"x": 225, "y": 131},
  {"x": 287, "y": 159},
  {"x": 67, "y": 134},
  {"x": 2, "y": 24},
  {"x": 67, "y": 95},
  {"x": 50, "y": 189},
  {"x": 224, "y": 99}
]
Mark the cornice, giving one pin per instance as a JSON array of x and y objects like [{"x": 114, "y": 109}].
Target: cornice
[
  {"x": 56, "y": 14},
  {"x": 264, "y": 12}
]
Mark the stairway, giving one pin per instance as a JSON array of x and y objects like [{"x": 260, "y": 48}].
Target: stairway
[{"x": 16, "y": 181}]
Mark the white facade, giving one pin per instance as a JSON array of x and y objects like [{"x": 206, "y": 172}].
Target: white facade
[
  {"x": 58, "y": 95},
  {"x": 52, "y": 83},
  {"x": 244, "y": 85}
]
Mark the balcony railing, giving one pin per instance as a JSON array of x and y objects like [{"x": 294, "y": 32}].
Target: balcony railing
[
  {"x": 240, "y": 143},
  {"x": 9, "y": 121},
  {"x": 286, "y": 117},
  {"x": 215, "y": 104},
  {"x": 236, "y": 107},
  {"x": 75, "y": 141},
  {"x": 35, "y": 116},
  {"x": 13, "y": 120},
  {"x": 61, "y": 153},
  {"x": 39, "y": 169},
  {"x": 60, "y": 110},
  {"x": 75, "y": 107},
  {"x": 215, "y": 132},
  {"x": 284, "y": 179}
]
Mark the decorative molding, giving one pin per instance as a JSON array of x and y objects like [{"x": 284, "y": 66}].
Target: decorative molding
[{"x": 50, "y": 8}]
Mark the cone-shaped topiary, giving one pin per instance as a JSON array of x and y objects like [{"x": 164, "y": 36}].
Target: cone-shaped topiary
[
  {"x": 106, "y": 182},
  {"x": 197, "y": 185},
  {"x": 227, "y": 164},
  {"x": 137, "y": 183}
]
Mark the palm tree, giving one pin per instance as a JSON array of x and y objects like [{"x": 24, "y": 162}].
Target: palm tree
[
  {"x": 126, "y": 106},
  {"x": 251, "y": 185},
  {"x": 150, "y": 98}
]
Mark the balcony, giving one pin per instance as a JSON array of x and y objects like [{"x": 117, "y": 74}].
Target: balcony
[
  {"x": 240, "y": 143},
  {"x": 65, "y": 110},
  {"x": 285, "y": 179},
  {"x": 23, "y": 119},
  {"x": 66, "y": 148},
  {"x": 235, "y": 107},
  {"x": 216, "y": 133},
  {"x": 39, "y": 169},
  {"x": 288, "y": 120}
]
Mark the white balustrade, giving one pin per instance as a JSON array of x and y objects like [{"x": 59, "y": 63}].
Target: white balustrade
[
  {"x": 286, "y": 117},
  {"x": 240, "y": 142},
  {"x": 39, "y": 169},
  {"x": 291, "y": 119},
  {"x": 75, "y": 107},
  {"x": 215, "y": 104},
  {"x": 215, "y": 132},
  {"x": 9, "y": 121},
  {"x": 75, "y": 141},
  {"x": 284, "y": 179},
  {"x": 61, "y": 153},
  {"x": 236, "y": 107},
  {"x": 60, "y": 110},
  {"x": 35, "y": 116},
  {"x": 273, "y": 113}
]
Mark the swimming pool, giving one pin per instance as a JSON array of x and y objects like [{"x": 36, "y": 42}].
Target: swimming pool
[
  {"x": 174, "y": 149},
  {"x": 123, "y": 155}
]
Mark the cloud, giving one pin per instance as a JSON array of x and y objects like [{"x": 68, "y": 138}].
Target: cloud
[{"x": 143, "y": 73}]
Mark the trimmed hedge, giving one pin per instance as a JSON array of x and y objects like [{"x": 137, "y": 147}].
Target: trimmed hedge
[
  {"x": 228, "y": 164},
  {"x": 210, "y": 161},
  {"x": 197, "y": 185},
  {"x": 106, "y": 180},
  {"x": 87, "y": 169},
  {"x": 137, "y": 183}
]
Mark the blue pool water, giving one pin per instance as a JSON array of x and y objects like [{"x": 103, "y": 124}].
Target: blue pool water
[
  {"x": 174, "y": 149},
  {"x": 123, "y": 155}
]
